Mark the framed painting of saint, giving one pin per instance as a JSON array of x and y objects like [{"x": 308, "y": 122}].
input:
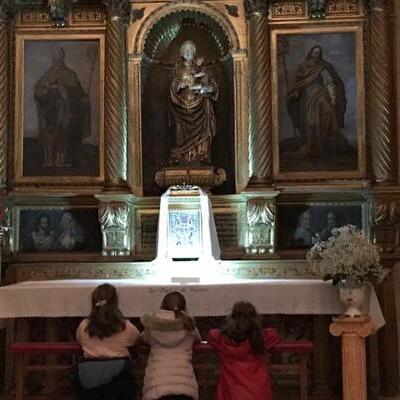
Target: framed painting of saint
[
  {"x": 59, "y": 108},
  {"x": 318, "y": 103},
  {"x": 300, "y": 225},
  {"x": 49, "y": 229}
]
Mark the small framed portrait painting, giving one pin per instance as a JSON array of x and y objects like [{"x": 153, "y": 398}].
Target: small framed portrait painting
[
  {"x": 299, "y": 226},
  {"x": 58, "y": 229}
]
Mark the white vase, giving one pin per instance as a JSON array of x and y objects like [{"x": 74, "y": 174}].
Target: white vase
[{"x": 352, "y": 298}]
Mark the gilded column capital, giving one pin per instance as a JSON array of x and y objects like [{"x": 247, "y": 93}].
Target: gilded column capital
[
  {"x": 376, "y": 5},
  {"x": 118, "y": 10},
  {"x": 4, "y": 12},
  {"x": 8, "y": 9},
  {"x": 114, "y": 220},
  {"x": 6, "y": 229},
  {"x": 256, "y": 7},
  {"x": 387, "y": 212},
  {"x": 261, "y": 217},
  {"x": 317, "y": 8},
  {"x": 59, "y": 10}
]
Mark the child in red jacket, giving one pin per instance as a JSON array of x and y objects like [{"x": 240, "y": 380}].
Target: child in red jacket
[{"x": 241, "y": 346}]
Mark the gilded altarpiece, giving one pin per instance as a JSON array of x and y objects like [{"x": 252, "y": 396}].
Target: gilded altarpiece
[{"x": 247, "y": 62}]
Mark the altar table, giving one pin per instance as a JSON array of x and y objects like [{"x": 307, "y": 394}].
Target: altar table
[{"x": 71, "y": 298}]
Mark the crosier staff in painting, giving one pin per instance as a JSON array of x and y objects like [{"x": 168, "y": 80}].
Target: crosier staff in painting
[
  {"x": 192, "y": 92},
  {"x": 317, "y": 104},
  {"x": 63, "y": 110}
]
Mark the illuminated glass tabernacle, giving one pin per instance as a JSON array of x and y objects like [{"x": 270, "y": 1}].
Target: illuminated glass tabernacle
[{"x": 187, "y": 241}]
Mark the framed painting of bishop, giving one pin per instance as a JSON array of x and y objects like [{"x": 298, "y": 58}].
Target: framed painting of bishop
[{"x": 59, "y": 108}]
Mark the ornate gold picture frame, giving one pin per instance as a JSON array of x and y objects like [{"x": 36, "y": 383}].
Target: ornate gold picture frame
[
  {"x": 59, "y": 108},
  {"x": 301, "y": 224},
  {"x": 318, "y": 102},
  {"x": 46, "y": 230}
]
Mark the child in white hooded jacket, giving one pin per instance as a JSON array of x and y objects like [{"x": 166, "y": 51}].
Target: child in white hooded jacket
[{"x": 171, "y": 333}]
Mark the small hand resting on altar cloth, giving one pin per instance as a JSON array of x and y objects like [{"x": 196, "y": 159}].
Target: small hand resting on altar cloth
[
  {"x": 241, "y": 346},
  {"x": 105, "y": 372},
  {"x": 171, "y": 333}
]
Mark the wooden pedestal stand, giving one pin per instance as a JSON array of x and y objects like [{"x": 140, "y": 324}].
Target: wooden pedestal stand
[{"x": 353, "y": 332}]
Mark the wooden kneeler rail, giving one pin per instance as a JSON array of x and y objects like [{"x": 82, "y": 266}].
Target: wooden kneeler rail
[{"x": 23, "y": 352}]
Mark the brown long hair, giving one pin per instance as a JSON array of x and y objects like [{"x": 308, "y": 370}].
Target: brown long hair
[
  {"x": 176, "y": 302},
  {"x": 243, "y": 324},
  {"x": 105, "y": 318}
]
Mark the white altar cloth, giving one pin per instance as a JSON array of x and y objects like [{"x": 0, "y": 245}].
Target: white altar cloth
[{"x": 71, "y": 298}]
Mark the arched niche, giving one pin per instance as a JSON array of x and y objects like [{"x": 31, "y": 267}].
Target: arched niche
[{"x": 156, "y": 45}]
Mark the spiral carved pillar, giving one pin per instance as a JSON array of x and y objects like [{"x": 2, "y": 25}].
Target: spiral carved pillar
[
  {"x": 115, "y": 102},
  {"x": 395, "y": 44},
  {"x": 380, "y": 93},
  {"x": 260, "y": 107},
  {"x": 4, "y": 111}
]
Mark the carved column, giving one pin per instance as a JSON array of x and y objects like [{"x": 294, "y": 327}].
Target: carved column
[
  {"x": 115, "y": 96},
  {"x": 260, "y": 107},
  {"x": 395, "y": 46},
  {"x": 135, "y": 169},
  {"x": 240, "y": 73},
  {"x": 380, "y": 93},
  {"x": 261, "y": 215},
  {"x": 4, "y": 91},
  {"x": 114, "y": 221},
  {"x": 353, "y": 332}
]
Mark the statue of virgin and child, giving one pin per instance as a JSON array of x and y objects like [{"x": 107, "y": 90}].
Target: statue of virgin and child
[{"x": 192, "y": 94}]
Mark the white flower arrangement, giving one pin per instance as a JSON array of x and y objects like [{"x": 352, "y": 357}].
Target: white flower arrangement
[{"x": 346, "y": 256}]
